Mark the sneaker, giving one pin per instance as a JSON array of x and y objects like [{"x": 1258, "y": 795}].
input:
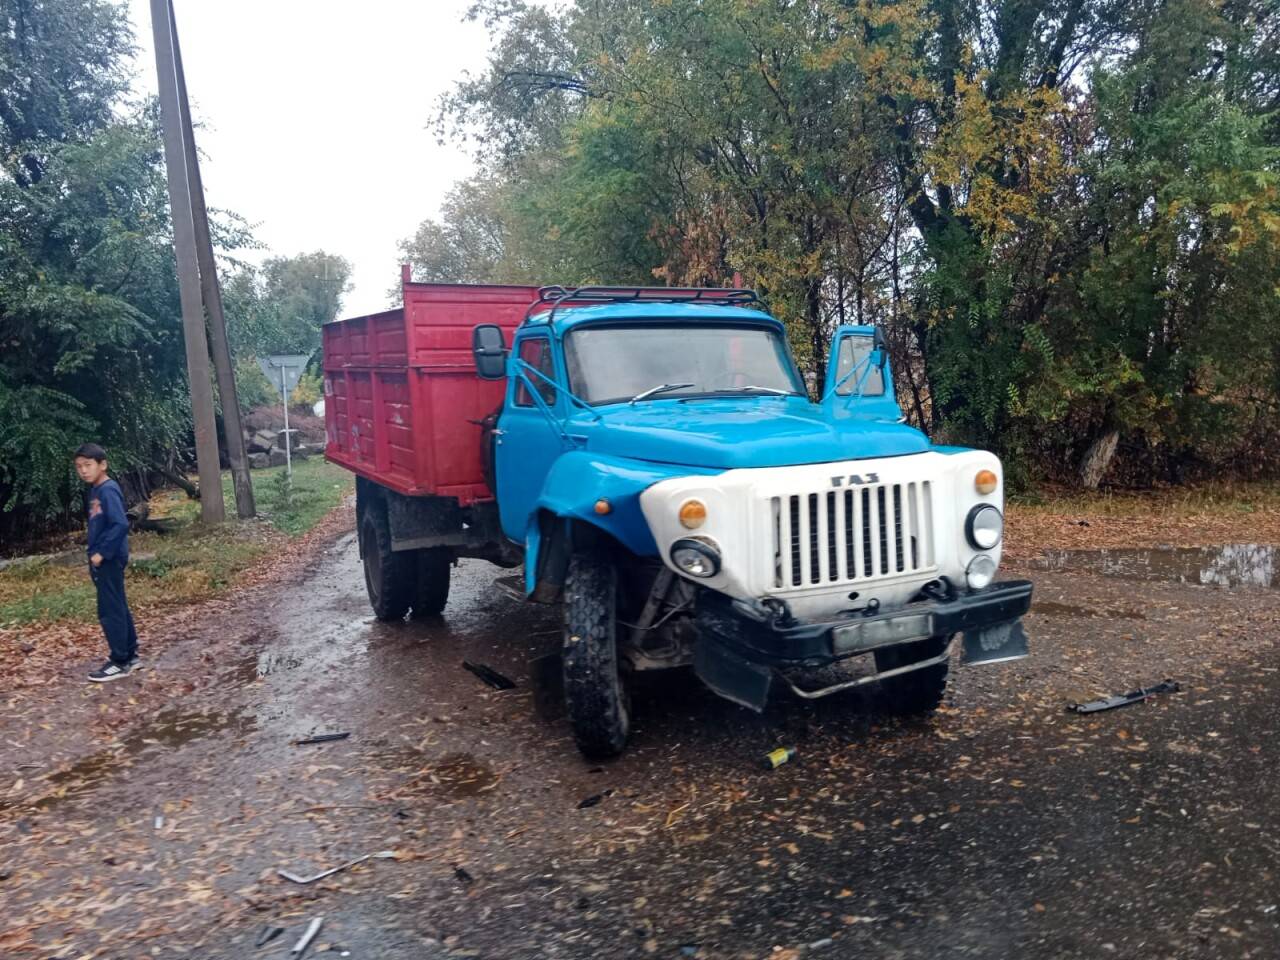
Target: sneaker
[{"x": 110, "y": 671}]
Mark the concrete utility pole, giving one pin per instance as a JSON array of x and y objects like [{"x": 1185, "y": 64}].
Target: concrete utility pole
[
  {"x": 222, "y": 365},
  {"x": 212, "y": 509}
]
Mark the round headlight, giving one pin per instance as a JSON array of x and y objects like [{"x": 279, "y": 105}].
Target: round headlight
[
  {"x": 697, "y": 558},
  {"x": 984, "y": 526},
  {"x": 982, "y": 570},
  {"x": 693, "y": 514}
]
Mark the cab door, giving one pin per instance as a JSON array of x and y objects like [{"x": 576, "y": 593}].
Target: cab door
[
  {"x": 529, "y": 435},
  {"x": 858, "y": 378}
]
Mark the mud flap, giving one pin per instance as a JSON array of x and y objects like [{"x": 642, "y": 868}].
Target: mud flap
[
  {"x": 995, "y": 644},
  {"x": 731, "y": 676}
]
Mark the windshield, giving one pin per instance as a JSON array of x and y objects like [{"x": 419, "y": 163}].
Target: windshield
[
  {"x": 855, "y": 352},
  {"x": 618, "y": 363}
]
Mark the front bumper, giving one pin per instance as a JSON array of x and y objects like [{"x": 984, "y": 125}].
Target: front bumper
[{"x": 741, "y": 646}]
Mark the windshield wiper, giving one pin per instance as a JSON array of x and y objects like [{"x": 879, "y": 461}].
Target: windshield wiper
[
  {"x": 752, "y": 388},
  {"x": 660, "y": 388}
]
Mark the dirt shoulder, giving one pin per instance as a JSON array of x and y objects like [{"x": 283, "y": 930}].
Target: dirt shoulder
[{"x": 1182, "y": 517}]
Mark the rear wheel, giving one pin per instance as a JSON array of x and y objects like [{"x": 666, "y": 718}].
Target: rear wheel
[
  {"x": 596, "y": 697},
  {"x": 920, "y": 691},
  {"x": 388, "y": 576},
  {"x": 431, "y": 589}
]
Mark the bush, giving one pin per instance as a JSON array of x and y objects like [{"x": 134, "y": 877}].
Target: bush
[{"x": 252, "y": 386}]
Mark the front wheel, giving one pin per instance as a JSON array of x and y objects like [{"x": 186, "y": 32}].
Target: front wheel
[
  {"x": 596, "y": 697},
  {"x": 919, "y": 691}
]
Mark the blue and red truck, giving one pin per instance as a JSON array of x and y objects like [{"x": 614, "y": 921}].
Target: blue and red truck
[{"x": 653, "y": 460}]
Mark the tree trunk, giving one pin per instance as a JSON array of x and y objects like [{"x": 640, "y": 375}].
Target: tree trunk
[{"x": 1098, "y": 458}]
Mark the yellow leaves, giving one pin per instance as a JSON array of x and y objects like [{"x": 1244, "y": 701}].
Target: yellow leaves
[{"x": 1000, "y": 158}]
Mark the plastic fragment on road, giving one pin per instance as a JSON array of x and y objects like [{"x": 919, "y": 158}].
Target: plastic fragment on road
[
  {"x": 490, "y": 676},
  {"x": 304, "y": 941},
  {"x": 380, "y": 855},
  {"x": 463, "y": 876},
  {"x": 776, "y": 758},
  {"x": 268, "y": 934},
  {"x": 594, "y": 799},
  {"x": 1124, "y": 699},
  {"x": 321, "y": 738}
]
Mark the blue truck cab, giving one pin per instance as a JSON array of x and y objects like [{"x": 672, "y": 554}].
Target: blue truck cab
[{"x": 660, "y": 461}]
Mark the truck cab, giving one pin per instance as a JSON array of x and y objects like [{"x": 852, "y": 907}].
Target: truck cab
[{"x": 660, "y": 469}]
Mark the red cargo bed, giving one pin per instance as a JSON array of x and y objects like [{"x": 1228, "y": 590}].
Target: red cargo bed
[{"x": 401, "y": 389}]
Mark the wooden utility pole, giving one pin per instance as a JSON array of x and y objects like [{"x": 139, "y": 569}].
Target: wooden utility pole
[
  {"x": 222, "y": 365},
  {"x": 212, "y": 509}
]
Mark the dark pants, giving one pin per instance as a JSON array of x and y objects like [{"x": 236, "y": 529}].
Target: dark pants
[{"x": 113, "y": 610}]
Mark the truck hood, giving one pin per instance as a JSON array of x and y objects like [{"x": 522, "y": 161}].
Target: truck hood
[{"x": 738, "y": 432}]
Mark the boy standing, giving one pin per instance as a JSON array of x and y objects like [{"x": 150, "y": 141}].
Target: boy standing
[{"x": 108, "y": 556}]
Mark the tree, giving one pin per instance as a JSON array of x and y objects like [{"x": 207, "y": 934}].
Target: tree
[
  {"x": 281, "y": 306},
  {"x": 1063, "y": 212}
]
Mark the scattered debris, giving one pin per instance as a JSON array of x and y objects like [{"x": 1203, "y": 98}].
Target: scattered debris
[
  {"x": 380, "y": 855},
  {"x": 268, "y": 934},
  {"x": 304, "y": 941},
  {"x": 27, "y": 647},
  {"x": 159, "y": 822},
  {"x": 5, "y": 875},
  {"x": 490, "y": 676},
  {"x": 1124, "y": 699},
  {"x": 821, "y": 944},
  {"x": 464, "y": 878},
  {"x": 594, "y": 799},
  {"x": 776, "y": 758},
  {"x": 322, "y": 738}
]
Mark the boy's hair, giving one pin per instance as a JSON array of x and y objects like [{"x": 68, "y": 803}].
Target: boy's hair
[{"x": 92, "y": 451}]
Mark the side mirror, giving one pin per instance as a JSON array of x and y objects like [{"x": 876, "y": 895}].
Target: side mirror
[
  {"x": 489, "y": 347},
  {"x": 880, "y": 347}
]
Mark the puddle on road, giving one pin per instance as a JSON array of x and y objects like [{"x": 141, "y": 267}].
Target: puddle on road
[
  {"x": 254, "y": 666},
  {"x": 169, "y": 729},
  {"x": 1233, "y": 565},
  {"x": 455, "y": 776},
  {"x": 1052, "y": 608}
]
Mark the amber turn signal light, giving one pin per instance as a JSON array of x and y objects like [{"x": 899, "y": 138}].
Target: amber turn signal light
[
  {"x": 693, "y": 514},
  {"x": 603, "y": 506},
  {"x": 985, "y": 482}
]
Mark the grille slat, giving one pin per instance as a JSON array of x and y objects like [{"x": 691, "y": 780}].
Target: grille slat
[{"x": 851, "y": 535}]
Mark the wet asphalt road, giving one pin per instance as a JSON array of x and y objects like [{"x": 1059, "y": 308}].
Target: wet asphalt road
[{"x": 1004, "y": 826}]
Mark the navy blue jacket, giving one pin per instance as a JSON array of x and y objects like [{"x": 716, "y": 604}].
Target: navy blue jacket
[{"x": 108, "y": 524}]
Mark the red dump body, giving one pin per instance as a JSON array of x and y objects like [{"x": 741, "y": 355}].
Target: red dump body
[{"x": 401, "y": 388}]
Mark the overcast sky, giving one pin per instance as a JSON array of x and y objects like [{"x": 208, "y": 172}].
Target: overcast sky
[{"x": 316, "y": 118}]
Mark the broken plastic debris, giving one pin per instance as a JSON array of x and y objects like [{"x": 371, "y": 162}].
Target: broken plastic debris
[
  {"x": 304, "y": 941},
  {"x": 268, "y": 934},
  {"x": 776, "y": 758},
  {"x": 489, "y": 675},
  {"x": 1124, "y": 699},
  {"x": 322, "y": 738},
  {"x": 380, "y": 855}
]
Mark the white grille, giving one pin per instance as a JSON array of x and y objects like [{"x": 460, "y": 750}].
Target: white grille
[{"x": 852, "y": 535}]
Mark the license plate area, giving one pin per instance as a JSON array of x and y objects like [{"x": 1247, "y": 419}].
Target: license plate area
[{"x": 861, "y": 635}]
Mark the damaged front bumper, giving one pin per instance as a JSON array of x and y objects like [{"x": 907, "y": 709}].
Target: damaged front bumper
[{"x": 743, "y": 646}]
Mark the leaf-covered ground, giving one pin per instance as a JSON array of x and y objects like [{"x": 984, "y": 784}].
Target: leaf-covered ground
[{"x": 149, "y": 818}]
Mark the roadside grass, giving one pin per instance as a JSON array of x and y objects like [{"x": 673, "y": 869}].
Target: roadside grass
[
  {"x": 192, "y": 562},
  {"x": 1228, "y": 497}
]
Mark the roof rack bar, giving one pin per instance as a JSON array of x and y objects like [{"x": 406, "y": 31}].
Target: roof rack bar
[{"x": 558, "y": 296}]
